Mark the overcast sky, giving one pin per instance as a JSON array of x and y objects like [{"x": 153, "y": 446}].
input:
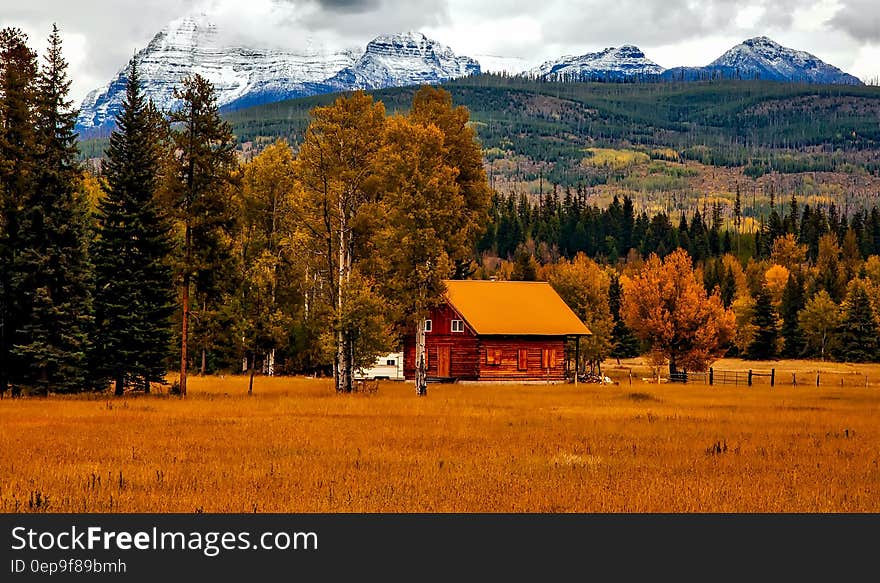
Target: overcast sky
[{"x": 101, "y": 35}]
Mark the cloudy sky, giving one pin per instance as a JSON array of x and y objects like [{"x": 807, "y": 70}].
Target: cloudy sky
[{"x": 101, "y": 35}]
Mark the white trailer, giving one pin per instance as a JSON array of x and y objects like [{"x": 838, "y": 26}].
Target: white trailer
[{"x": 386, "y": 367}]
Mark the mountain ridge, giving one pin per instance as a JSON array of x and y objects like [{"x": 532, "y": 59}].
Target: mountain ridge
[{"x": 246, "y": 76}]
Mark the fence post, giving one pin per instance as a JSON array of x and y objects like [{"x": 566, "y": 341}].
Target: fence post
[
  {"x": 712, "y": 377},
  {"x": 817, "y": 378},
  {"x": 750, "y": 377},
  {"x": 772, "y": 377},
  {"x": 793, "y": 379}
]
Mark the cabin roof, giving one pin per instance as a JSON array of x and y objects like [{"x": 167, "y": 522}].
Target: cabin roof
[{"x": 516, "y": 308}]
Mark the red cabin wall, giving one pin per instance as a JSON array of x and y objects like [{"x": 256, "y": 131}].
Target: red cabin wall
[
  {"x": 468, "y": 353},
  {"x": 508, "y": 368},
  {"x": 462, "y": 347}
]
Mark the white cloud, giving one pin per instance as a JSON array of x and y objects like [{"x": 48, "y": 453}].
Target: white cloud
[{"x": 101, "y": 35}]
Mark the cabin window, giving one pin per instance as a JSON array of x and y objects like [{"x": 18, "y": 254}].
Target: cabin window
[
  {"x": 390, "y": 362},
  {"x": 548, "y": 358},
  {"x": 493, "y": 356},
  {"x": 522, "y": 360},
  {"x": 429, "y": 325},
  {"x": 458, "y": 326}
]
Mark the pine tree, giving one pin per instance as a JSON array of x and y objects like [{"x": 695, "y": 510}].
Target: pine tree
[
  {"x": 133, "y": 301},
  {"x": 18, "y": 73},
  {"x": 624, "y": 342},
  {"x": 737, "y": 209},
  {"x": 205, "y": 158},
  {"x": 763, "y": 346},
  {"x": 793, "y": 301},
  {"x": 52, "y": 273},
  {"x": 525, "y": 267},
  {"x": 791, "y": 220},
  {"x": 728, "y": 287},
  {"x": 858, "y": 333}
]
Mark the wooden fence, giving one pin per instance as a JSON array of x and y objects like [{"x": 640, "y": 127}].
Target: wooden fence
[
  {"x": 774, "y": 378},
  {"x": 746, "y": 378},
  {"x": 750, "y": 378}
]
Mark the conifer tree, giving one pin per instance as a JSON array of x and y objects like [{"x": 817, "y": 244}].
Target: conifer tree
[
  {"x": 793, "y": 301},
  {"x": 52, "y": 272},
  {"x": 624, "y": 342},
  {"x": 133, "y": 301},
  {"x": 525, "y": 267},
  {"x": 205, "y": 158},
  {"x": 858, "y": 333},
  {"x": 18, "y": 73},
  {"x": 763, "y": 345}
]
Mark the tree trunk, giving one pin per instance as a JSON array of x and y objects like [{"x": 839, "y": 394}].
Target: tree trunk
[
  {"x": 146, "y": 386},
  {"x": 120, "y": 385},
  {"x": 343, "y": 339},
  {"x": 185, "y": 319},
  {"x": 270, "y": 371},
  {"x": 421, "y": 368},
  {"x": 253, "y": 368},
  {"x": 204, "y": 367},
  {"x": 672, "y": 367}
]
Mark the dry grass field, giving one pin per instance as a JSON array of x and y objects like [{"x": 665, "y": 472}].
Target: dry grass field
[{"x": 295, "y": 446}]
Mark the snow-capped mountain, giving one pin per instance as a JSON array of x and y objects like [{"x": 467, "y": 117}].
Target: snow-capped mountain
[
  {"x": 244, "y": 76},
  {"x": 403, "y": 59},
  {"x": 613, "y": 63},
  {"x": 762, "y": 58}
]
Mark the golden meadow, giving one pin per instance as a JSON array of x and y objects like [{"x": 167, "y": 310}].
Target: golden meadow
[{"x": 297, "y": 446}]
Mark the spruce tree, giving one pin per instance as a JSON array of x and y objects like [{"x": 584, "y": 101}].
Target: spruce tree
[
  {"x": 624, "y": 342},
  {"x": 858, "y": 331},
  {"x": 52, "y": 273},
  {"x": 133, "y": 301},
  {"x": 525, "y": 267},
  {"x": 18, "y": 73},
  {"x": 763, "y": 346},
  {"x": 205, "y": 158},
  {"x": 793, "y": 301},
  {"x": 728, "y": 287}
]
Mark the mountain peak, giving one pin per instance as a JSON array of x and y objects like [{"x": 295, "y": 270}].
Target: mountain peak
[
  {"x": 610, "y": 63},
  {"x": 409, "y": 58},
  {"x": 243, "y": 76},
  {"x": 763, "y": 58},
  {"x": 761, "y": 41}
]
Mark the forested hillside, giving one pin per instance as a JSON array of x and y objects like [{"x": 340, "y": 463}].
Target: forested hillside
[{"x": 763, "y": 125}]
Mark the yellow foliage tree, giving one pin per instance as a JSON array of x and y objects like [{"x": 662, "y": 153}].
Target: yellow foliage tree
[
  {"x": 334, "y": 166},
  {"x": 666, "y": 305},
  {"x": 419, "y": 224},
  {"x": 776, "y": 277},
  {"x": 788, "y": 253},
  {"x": 583, "y": 285}
]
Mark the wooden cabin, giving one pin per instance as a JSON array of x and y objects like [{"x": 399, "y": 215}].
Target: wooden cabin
[{"x": 497, "y": 331}]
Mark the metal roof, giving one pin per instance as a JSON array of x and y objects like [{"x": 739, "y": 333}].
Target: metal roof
[{"x": 516, "y": 308}]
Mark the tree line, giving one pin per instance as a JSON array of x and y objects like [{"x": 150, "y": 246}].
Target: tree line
[
  {"x": 179, "y": 255},
  {"x": 805, "y": 284},
  {"x": 315, "y": 261}
]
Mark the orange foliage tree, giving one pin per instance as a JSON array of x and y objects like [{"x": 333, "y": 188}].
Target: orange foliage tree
[{"x": 666, "y": 305}]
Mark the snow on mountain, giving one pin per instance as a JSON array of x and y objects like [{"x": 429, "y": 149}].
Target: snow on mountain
[
  {"x": 762, "y": 58},
  {"x": 611, "y": 63},
  {"x": 245, "y": 76},
  {"x": 403, "y": 59}
]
